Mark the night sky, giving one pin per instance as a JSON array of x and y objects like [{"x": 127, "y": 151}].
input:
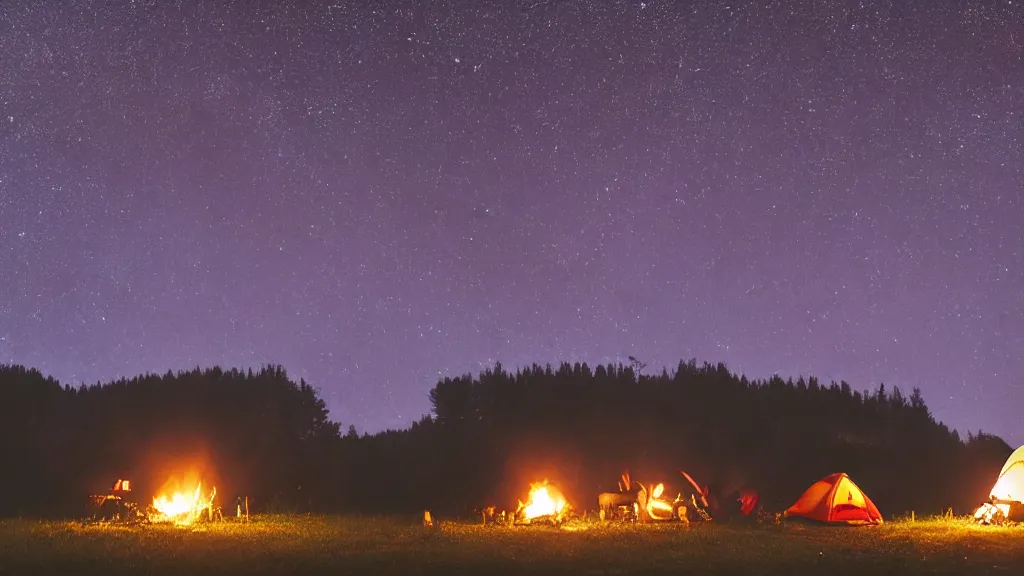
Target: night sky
[{"x": 376, "y": 196}]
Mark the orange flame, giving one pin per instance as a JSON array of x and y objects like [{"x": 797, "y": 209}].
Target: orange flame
[
  {"x": 987, "y": 513},
  {"x": 658, "y": 490},
  {"x": 182, "y": 508},
  {"x": 544, "y": 500},
  {"x": 657, "y": 507}
]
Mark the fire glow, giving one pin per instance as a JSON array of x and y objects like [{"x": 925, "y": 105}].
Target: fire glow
[
  {"x": 182, "y": 508},
  {"x": 992, "y": 513},
  {"x": 658, "y": 508},
  {"x": 545, "y": 501},
  {"x": 1006, "y": 494},
  {"x": 998, "y": 510},
  {"x": 1004, "y": 488}
]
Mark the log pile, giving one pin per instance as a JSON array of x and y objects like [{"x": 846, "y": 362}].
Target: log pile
[
  {"x": 639, "y": 502},
  {"x": 545, "y": 505},
  {"x": 622, "y": 504},
  {"x": 654, "y": 507},
  {"x": 999, "y": 512}
]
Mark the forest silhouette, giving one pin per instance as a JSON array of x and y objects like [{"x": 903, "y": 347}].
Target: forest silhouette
[{"x": 262, "y": 435}]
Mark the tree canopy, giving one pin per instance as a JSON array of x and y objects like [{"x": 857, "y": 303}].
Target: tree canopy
[{"x": 262, "y": 435}]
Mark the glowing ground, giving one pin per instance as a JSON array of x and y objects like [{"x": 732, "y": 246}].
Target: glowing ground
[{"x": 334, "y": 545}]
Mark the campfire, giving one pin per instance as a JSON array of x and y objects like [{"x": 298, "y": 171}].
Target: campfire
[
  {"x": 545, "y": 503},
  {"x": 183, "y": 508},
  {"x": 657, "y": 506},
  {"x": 636, "y": 501},
  {"x": 989, "y": 513},
  {"x": 999, "y": 511},
  {"x": 1005, "y": 499}
]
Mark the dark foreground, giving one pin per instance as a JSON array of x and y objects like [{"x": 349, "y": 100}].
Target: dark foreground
[{"x": 338, "y": 545}]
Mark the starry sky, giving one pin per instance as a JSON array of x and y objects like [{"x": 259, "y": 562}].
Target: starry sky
[{"x": 376, "y": 194}]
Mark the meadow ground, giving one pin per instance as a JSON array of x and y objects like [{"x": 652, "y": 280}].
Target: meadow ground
[{"x": 349, "y": 544}]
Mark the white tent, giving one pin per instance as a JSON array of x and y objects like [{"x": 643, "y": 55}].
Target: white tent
[{"x": 1010, "y": 485}]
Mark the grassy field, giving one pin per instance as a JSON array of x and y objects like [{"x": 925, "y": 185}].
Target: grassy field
[{"x": 339, "y": 545}]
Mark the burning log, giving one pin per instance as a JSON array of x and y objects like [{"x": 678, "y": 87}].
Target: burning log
[
  {"x": 698, "y": 496},
  {"x": 490, "y": 515},
  {"x": 999, "y": 512},
  {"x": 653, "y": 505},
  {"x": 612, "y": 504},
  {"x": 183, "y": 508},
  {"x": 645, "y": 503},
  {"x": 989, "y": 513},
  {"x": 544, "y": 504},
  {"x": 624, "y": 501}
]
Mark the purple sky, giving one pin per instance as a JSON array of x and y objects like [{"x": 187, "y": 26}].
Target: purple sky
[{"x": 377, "y": 196}]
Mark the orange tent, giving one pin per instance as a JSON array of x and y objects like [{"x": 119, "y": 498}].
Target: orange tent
[{"x": 836, "y": 499}]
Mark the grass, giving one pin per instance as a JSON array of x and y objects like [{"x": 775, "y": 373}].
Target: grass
[{"x": 340, "y": 545}]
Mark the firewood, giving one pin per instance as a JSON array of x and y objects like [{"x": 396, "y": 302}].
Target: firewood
[
  {"x": 487, "y": 514},
  {"x": 609, "y": 502},
  {"x": 683, "y": 515},
  {"x": 641, "y": 500}
]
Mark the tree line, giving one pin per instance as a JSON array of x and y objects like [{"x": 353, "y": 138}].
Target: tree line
[
  {"x": 262, "y": 435},
  {"x": 256, "y": 434}
]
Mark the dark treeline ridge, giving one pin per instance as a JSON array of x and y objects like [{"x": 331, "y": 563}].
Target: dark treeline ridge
[
  {"x": 243, "y": 432},
  {"x": 265, "y": 436}
]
